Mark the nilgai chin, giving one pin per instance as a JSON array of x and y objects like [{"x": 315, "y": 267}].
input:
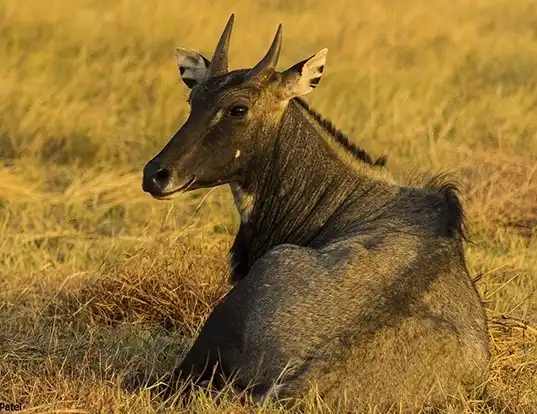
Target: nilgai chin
[{"x": 343, "y": 279}]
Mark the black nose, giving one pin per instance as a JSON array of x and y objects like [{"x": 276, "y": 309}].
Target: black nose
[{"x": 156, "y": 177}]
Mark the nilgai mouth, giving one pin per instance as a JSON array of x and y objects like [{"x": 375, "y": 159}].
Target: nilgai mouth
[{"x": 169, "y": 195}]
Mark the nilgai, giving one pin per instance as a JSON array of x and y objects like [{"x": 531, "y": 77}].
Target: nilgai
[{"x": 343, "y": 279}]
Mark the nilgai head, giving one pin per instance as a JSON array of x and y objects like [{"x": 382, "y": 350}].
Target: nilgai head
[{"x": 233, "y": 117}]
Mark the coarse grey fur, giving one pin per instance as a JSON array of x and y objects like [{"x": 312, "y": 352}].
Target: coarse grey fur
[{"x": 343, "y": 279}]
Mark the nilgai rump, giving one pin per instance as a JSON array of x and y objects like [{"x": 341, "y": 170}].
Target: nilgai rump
[{"x": 343, "y": 279}]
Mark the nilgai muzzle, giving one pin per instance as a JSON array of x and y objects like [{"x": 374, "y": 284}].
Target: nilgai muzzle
[{"x": 343, "y": 279}]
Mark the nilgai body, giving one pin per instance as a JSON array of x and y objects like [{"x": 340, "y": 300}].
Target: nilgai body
[{"x": 344, "y": 280}]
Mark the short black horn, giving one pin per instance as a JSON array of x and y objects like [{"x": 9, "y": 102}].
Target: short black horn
[
  {"x": 218, "y": 64},
  {"x": 269, "y": 62}
]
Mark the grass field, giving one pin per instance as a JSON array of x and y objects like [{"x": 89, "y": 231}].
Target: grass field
[{"x": 98, "y": 280}]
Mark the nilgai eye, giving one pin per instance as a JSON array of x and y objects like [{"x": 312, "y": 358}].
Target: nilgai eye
[{"x": 238, "y": 110}]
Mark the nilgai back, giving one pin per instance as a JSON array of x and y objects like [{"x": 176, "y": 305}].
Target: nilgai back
[{"x": 343, "y": 279}]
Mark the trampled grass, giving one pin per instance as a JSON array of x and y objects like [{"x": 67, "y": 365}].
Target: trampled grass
[{"x": 98, "y": 280}]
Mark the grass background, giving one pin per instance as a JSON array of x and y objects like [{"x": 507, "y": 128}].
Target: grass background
[{"x": 97, "y": 279}]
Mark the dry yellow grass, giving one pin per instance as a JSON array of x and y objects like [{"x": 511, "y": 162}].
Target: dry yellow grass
[{"x": 97, "y": 279}]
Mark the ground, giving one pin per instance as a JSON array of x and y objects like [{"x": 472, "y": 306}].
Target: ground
[{"x": 97, "y": 279}]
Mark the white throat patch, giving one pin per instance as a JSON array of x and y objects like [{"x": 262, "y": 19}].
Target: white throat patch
[{"x": 244, "y": 202}]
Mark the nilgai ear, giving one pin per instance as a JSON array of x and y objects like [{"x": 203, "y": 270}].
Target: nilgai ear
[
  {"x": 192, "y": 66},
  {"x": 303, "y": 77}
]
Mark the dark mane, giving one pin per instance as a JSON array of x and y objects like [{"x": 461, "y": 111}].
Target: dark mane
[
  {"x": 341, "y": 138},
  {"x": 448, "y": 189}
]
